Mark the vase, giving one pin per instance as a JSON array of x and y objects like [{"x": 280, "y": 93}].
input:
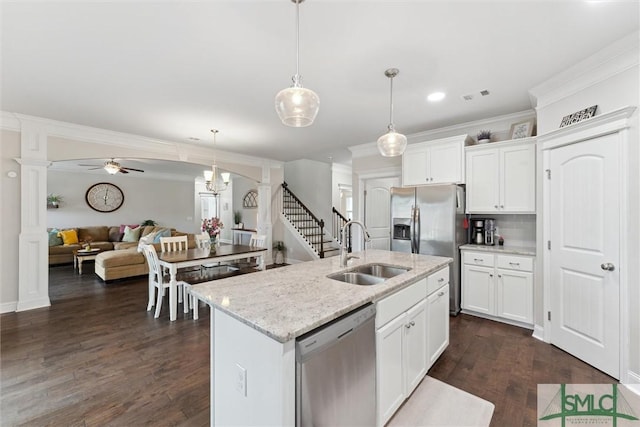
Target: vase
[
  {"x": 279, "y": 257},
  {"x": 213, "y": 243}
]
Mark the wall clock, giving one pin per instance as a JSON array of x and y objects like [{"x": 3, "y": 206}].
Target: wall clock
[{"x": 104, "y": 197}]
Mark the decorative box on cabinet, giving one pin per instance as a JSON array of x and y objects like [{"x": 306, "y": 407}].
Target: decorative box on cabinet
[
  {"x": 435, "y": 162},
  {"x": 498, "y": 286},
  {"x": 501, "y": 177}
]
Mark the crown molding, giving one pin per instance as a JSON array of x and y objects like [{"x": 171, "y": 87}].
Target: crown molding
[
  {"x": 175, "y": 150},
  {"x": 604, "y": 64},
  {"x": 371, "y": 148}
]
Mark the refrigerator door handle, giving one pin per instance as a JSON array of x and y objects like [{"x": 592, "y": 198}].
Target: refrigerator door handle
[
  {"x": 416, "y": 229},
  {"x": 412, "y": 230}
]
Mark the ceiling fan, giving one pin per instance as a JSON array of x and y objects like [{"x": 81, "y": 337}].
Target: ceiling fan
[{"x": 113, "y": 167}]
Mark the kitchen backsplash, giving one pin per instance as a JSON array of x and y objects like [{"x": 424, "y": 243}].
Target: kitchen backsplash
[{"x": 517, "y": 230}]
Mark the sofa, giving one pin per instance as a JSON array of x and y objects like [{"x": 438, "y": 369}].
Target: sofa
[{"x": 117, "y": 259}]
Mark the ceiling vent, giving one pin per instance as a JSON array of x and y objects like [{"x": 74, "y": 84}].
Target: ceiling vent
[{"x": 471, "y": 96}]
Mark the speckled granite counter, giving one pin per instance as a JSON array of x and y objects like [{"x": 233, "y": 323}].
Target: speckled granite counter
[
  {"x": 515, "y": 250},
  {"x": 284, "y": 303}
]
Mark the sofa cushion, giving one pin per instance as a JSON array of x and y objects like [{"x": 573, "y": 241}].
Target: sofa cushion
[
  {"x": 132, "y": 226},
  {"x": 120, "y": 258},
  {"x": 115, "y": 235},
  {"x": 54, "y": 239},
  {"x": 93, "y": 234},
  {"x": 146, "y": 240},
  {"x": 69, "y": 237},
  {"x": 131, "y": 235},
  {"x": 165, "y": 232},
  {"x": 64, "y": 249}
]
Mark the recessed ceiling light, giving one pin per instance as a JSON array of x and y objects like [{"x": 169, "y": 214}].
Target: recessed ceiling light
[
  {"x": 193, "y": 138},
  {"x": 436, "y": 96}
]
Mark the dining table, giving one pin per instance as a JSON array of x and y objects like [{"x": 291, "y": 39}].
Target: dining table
[{"x": 174, "y": 260}]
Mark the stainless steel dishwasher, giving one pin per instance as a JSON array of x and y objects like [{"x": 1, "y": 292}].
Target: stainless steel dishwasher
[{"x": 336, "y": 372}]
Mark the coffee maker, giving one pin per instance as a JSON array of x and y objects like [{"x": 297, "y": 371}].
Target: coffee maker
[
  {"x": 489, "y": 231},
  {"x": 477, "y": 234}
]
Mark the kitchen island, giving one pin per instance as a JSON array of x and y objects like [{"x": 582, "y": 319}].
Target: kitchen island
[{"x": 256, "y": 318}]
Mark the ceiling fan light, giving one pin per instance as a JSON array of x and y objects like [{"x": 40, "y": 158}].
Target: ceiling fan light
[
  {"x": 111, "y": 168},
  {"x": 226, "y": 177},
  {"x": 392, "y": 144},
  {"x": 297, "y": 106},
  {"x": 208, "y": 175}
]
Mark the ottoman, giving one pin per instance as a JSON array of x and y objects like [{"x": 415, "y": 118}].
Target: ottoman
[{"x": 118, "y": 264}]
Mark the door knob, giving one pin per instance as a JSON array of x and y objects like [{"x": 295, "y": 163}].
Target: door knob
[{"x": 607, "y": 266}]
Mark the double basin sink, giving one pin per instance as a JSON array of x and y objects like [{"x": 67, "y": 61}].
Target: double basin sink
[{"x": 368, "y": 274}]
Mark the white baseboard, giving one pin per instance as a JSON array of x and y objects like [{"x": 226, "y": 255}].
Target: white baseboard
[
  {"x": 634, "y": 382},
  {"x": 34, "y": 303},
  {"x": 8, "y": 307},
  {"x": 538, "y": 332}
]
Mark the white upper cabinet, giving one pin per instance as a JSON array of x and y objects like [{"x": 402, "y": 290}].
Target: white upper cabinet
[
  {"x": 435, "y": 162},
  {"x": 501, "y": 177}
]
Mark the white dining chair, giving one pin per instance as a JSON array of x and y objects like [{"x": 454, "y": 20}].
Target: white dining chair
[
  {"x": 203, "y": 241},
  {"x": 159, "y": 282},
  {"x": 175, "y": 243},
  {"x": 256, "y": 241}
]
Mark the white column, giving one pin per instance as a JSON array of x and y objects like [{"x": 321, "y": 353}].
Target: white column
[
  {"x": 264, "y": 209},
  {"x": 33, "y": 276}
]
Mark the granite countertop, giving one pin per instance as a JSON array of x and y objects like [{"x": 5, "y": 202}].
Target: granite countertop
[
  {"x": 284, "y": 303},
  {"x": 516, "y": 250}
]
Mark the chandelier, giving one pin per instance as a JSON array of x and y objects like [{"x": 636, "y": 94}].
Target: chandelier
[
  {"x": 297, "y": 106},
  {"x": 392, "y": 143},
  {"x": 213, "y": 182}
]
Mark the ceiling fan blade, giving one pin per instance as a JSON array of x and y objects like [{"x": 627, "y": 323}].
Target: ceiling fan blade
[
  {"x": 122, "y": 170},
  {"x": 93, "y": 166},
  {"x": 132, "y": 169},
  {"x": 96, "y": 168}
]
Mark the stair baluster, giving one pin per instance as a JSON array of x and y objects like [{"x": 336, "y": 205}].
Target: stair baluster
[{"x": 303, "y": 219}]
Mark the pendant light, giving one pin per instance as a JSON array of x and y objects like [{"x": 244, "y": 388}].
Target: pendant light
[
  {"x": 392, "y": 143},
  {"x": 297, "y": 106},
  {"x": 212, "y": 181}
]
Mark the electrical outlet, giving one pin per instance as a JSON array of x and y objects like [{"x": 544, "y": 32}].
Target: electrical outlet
[{"x": 241, "y": 380}]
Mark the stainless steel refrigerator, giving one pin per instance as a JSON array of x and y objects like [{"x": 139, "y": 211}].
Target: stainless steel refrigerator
[{"x": 429, "y": 220}]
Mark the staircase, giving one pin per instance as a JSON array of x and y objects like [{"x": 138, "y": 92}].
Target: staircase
[{"x": 310, "y": 228}]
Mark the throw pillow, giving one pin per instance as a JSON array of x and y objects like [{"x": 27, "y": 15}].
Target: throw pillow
[
  {"x": 54, "y": 239},
  {"x": 115, "y": 235},
  {"x": 69, "y": 237},
  {"x": 165, "y": 232},
  {"x": 131, "y": 235},
  {"x": 132, "y": 226},
  {"x": 145, "y": 240}
]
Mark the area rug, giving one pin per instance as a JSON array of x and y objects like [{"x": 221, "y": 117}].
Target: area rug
[{"x": 436, "y": 404}]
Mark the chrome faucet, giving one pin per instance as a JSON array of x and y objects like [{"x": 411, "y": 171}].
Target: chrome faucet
[{"x": 344, "y": 255}]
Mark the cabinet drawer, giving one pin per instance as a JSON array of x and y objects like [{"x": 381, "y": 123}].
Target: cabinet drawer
[
  {"x": 478, "y": 258},
  {"x": 511, "y": 262},
  {"x": 396, "y": 304},
  {"x": 437, "y": 279}
]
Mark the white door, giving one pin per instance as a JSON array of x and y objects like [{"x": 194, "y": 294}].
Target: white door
[
  {"x": 584, "y": 198},
  {"x": 377, "y": 211},
  {"x": 515, "y": 295},
  {"x": 390, "y": 368},
  {"x": 415, "y": 342}
]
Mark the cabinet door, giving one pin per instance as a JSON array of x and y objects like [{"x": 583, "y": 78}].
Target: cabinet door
[
  {"x": 515, "y": 295},
  {"x": 478, "y": 289},
  {"x": 414, "y": 166},
  {"x": 415, "y": 344},
  {"x": 483, "y": 180},
  {"x": 518, "y": 178},
  {"x": 389, "y": 368},
  {"x": 437, "y": 324},
  {"x": 445, "y": 163}
]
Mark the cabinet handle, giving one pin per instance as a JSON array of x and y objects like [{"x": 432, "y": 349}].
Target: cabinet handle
[
  {"x": 440, "y": 294},
  {"x": 478, "y": 260},
  {"x": 413, "y": 323},
  {"x": 407, "y": 326},
  {"x": 440, "y": 280},
  {"x": 490, "y": 275},
  {"x": 500, "y": 276},
  {"x": 495, "y": 206},
  {"x": 514, "y": 263},
  {"x": 501, "y": 206}
]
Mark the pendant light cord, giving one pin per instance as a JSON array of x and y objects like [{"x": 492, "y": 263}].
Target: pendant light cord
[
  {"x": 391, "y": 107},
  {"x": 297, "y": 39}
]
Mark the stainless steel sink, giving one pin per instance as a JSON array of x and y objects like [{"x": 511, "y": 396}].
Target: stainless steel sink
[
  {"x": 380, "y": 270},
  {"x": 356, "y": 278},
  {"x": 369, "y": 274}
]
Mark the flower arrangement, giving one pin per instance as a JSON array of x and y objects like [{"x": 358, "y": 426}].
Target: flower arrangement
[{"x": 212, "y": 226}]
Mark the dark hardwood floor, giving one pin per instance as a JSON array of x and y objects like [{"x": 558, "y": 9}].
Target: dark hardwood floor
[{"x": 96, "y": 357}]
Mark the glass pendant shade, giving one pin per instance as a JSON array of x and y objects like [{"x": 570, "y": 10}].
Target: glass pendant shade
[
  {"x": 297, "y": 106},
  {"x": 392, "y": 144}
]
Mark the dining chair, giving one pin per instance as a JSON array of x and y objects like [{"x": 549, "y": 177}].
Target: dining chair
[
  {"x": 175, "y": 243},
  {"x": 158, "y": 281},
  {"x": 256, "y": 241},
  {"x": 203, "y": 241}
]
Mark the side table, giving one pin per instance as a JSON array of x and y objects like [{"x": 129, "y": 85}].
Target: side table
[{"x": 83, "y": 255}]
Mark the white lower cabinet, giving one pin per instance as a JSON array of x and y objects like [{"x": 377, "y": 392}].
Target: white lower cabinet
[
  {"x": 412, "y": 331},
  {"x": 499, "y": 286},
  {"x": 437, "y": 324}
]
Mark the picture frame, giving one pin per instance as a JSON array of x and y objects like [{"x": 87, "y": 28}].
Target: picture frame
[
  {"x": 522, "y": 129},
  {"x": 579, "y": 116}
]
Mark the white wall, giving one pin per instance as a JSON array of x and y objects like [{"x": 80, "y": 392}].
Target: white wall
[
  {"x": 241, "y": 186},
  {"x": 340, "y": 175},
  {"x": 169, "y": 203}
]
